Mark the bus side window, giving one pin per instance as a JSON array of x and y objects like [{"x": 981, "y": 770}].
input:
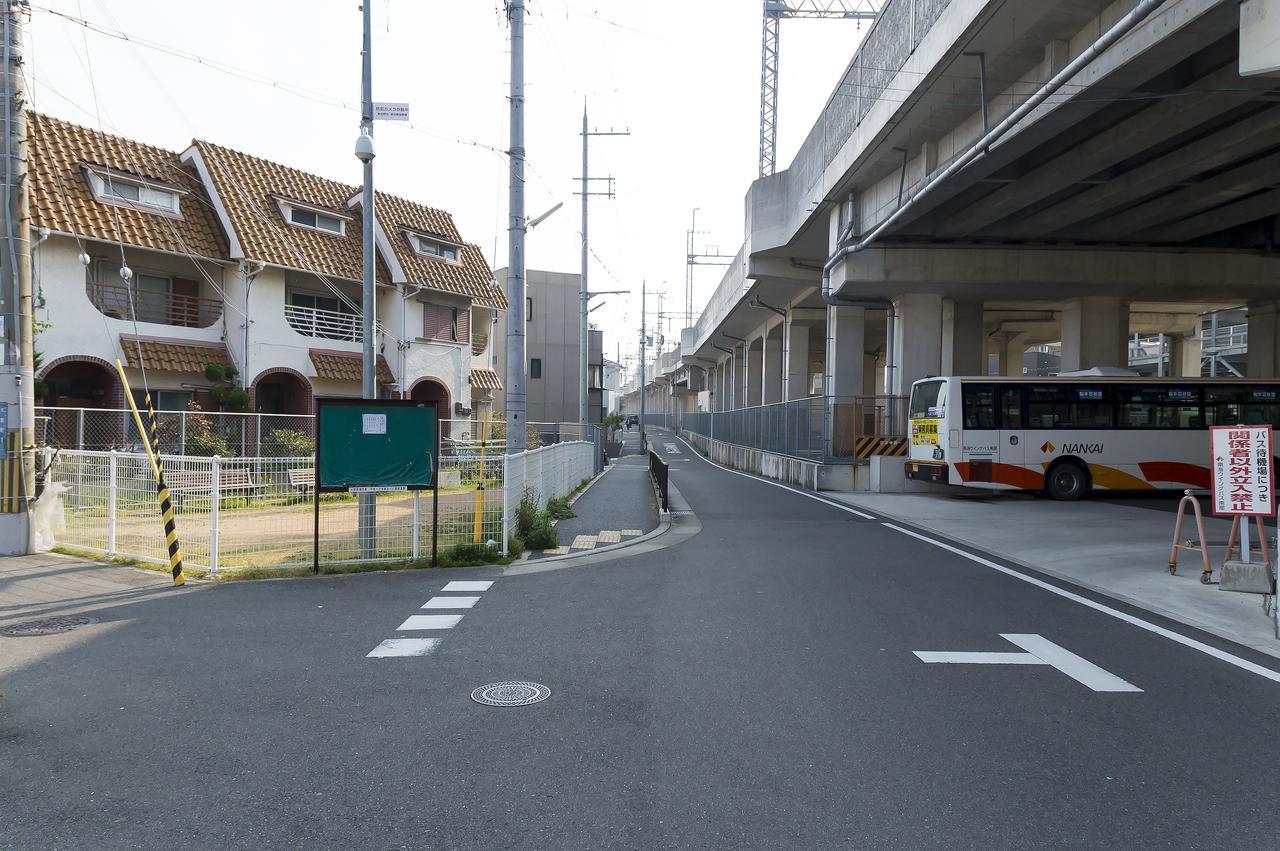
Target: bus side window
[
  {"x": 979, "y": 405},
  {"x": 1011, "y": 398}
]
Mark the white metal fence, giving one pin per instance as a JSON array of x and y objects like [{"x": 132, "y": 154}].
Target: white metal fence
[{"x": 245, "y": 512}]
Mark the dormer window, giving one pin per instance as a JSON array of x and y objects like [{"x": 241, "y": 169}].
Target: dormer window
[
  {"x": 314, "y": 218},
  {"x": 114, "y": 188},
  {"x": 435, "y": 248}
]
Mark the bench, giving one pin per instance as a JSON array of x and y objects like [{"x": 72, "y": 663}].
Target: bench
[
  {"x": 231, "y": 480},
  {"x": 303, "y": 479}
]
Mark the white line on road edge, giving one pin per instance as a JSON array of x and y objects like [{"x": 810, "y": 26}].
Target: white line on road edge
[
  {"x": 806, "y": 494},
  {"x": 1221, "y": 655},
  {"x": 450, "y": 602},
  {"x": 429, "y": 622},
  {"x": 404, "y": 647}
]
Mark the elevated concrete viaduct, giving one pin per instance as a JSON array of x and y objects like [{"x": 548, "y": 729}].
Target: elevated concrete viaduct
[{"x": 1002, "y": 174}]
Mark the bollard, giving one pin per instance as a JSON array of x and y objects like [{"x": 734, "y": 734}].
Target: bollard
[{"x": 1201, "y": 545}]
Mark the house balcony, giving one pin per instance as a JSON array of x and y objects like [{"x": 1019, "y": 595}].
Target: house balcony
[
  {"x": 327, "y": 324},
  {"x": 121, "y": 302}
]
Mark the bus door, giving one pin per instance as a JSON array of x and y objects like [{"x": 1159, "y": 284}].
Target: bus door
[
  {"x": 977, "y": 446},
  {"x": 1013, "y": 444}
]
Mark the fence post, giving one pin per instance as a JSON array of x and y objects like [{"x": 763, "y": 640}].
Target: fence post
[
  {"x": 182, "y": 433},
  {"x": 506, "y": 483},
  {"x": 111, "y": 501},
  {"x": 215, "y": 499},
  {"x": 80, "y": 429},
  {"x": 417, "y": 520}
]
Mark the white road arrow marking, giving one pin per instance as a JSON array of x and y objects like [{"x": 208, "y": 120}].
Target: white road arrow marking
[{"x": 1038, "y": 651}]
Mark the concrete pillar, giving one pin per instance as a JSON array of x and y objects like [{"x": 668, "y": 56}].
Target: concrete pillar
[
  {"x": 1264, "y": 332},
  {"x": 1184, "y": 355},
  {"x": 917, "y": 340},
  {"x": 1095, "y": 332},
  {"x": 755, "y": 374},
  {"x": 795, "y": 371},
  {"x": 1012, "y": 354},
  {"x": 962, "y": 337},
  {"x": 740, "y": 376},
  {"x": 772, "y": 357},
  {"x": 846, "y": 344}
]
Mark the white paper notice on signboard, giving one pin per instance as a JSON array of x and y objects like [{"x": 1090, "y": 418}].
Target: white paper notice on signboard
[
  {"x": 1243, "y": 478},
  {"x": 383, "y": 111},
  {"x": 374, "y": 424}
]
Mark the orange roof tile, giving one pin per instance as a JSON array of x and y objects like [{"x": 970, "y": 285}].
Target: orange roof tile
[
  {"x": 171, "y": 355},
  {"x": 62, "y": 201},
  {"x": 346, "y": 366}
]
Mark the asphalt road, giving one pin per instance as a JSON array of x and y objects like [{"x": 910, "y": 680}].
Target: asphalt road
[{"x": 753, "y": 687}]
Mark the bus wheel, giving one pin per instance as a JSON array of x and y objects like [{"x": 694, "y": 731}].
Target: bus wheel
[{"x": 1067, "y": 480}]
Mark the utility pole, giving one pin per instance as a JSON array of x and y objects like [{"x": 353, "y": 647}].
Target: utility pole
[
  {"x": 693, "y": 258},
  {"x": 584, "y": 293},
  {"x": 368, "y": 375},
  {"x": 516, "y": 398},
  {"x": 17, "y": 379},
  {"x": 643, "y": 332}
]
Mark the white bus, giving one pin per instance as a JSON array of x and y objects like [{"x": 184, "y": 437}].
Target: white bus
[{"x": 1069, "y": 435}]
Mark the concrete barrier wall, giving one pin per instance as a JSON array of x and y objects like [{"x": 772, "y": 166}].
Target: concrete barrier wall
[{"x": 782, "y": 468}]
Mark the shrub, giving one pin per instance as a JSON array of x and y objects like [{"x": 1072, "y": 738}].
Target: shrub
[
  {"x": 208, "y": 442},
  {"x": 465, "y": 555},
  {"x": 534, "y": 527},
  {"x": 287, "y": 443},
  {"x": 559, "y": 508}
]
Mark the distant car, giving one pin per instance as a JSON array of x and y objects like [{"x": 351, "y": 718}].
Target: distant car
[{"x": 633, "y": 420}]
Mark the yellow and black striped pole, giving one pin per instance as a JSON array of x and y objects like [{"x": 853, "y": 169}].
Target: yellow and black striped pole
[{"x": 151, "y": 443}]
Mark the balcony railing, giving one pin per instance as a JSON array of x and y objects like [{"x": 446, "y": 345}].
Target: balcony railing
[
  {"x": 327, "y": 324},
  {"x": 122, "y": 302}
]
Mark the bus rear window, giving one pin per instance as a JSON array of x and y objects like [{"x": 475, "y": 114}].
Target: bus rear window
[{"x": 928, "y": 399}]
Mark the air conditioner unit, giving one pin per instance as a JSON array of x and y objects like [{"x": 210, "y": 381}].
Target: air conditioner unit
[{"x": 461, "y": 410}]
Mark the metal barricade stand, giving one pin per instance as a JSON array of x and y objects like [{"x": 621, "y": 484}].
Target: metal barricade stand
[{"x": 1202, "y": 545}]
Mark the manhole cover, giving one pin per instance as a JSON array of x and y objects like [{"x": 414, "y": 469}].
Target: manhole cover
[
  {"x": 46, "y": 626},
  {"x": 510, "y": 694}
]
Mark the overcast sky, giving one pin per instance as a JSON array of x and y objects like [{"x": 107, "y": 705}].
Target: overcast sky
[{"x": 683, "y": 77}]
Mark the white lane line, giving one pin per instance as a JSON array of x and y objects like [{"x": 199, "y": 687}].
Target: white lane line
[
  {"x": 980, "y": 658},
  {"x": 804, "y": 494},
  {"x": 468, "y": 585},
  {"x": 1077, "y": 668},
  {"x": 1221, "y": 655},
  {"x": 404, "y": 647},
  {"x": 450, "y": 602},
  {"x": 429, "y": 622}
]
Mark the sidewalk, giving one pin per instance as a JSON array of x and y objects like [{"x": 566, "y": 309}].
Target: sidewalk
[
  {"x": 1121, "y": 550},
  {"x": 620, "y": 506}
]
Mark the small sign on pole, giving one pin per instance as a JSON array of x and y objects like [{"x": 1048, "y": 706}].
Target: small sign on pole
[
  {"x": 1243, "y": 478},
  {"x": 384, "y": 111}
]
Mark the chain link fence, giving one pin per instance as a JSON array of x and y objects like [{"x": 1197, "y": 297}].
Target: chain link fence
[{"x": 827, "y": 429}]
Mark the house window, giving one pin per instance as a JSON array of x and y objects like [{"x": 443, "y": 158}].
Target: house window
[
  {"x": 163, "y": 400},
  {"x": 316, "y": 220},
  {"x": 445, "y": 322},
  {"x": 528, "y": 308},
  {"x": 135, "y": 193},
  {"x": 535, "y": 368},
  {"x": 434, "y": 248}
]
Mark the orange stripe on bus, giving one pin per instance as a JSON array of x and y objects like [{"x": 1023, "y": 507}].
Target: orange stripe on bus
[
  {"x": 1006, "y": 474},
  {"x": 1176, "y": 471},
  {"x": 1114, "y": 479}
]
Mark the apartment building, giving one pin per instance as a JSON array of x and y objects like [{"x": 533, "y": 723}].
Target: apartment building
[
  {"x": 171, "y": 261},
  {"x": 552, "y": 324}
]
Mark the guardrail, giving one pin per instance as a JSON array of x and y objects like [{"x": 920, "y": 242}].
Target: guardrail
[{"x": 658, "y": 470}]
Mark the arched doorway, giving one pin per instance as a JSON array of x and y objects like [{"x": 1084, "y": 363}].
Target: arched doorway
[
  {"x": 431, "y": 390},
  {"x": 81, "y": 382},
  {"x": 285, "y": 403},
  {"x": 283, "y": 391}
]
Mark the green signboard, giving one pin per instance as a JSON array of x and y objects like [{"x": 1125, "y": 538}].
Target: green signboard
[{"x": 376, "y": 444}]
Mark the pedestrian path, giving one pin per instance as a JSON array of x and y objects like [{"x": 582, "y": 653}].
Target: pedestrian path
[{"x": 618, "y": 507}]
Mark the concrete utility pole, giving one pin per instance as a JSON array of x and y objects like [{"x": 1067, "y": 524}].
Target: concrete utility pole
[
  {"x": 643, "y": 332},
  {"x": 584, "y": 293},
  {"x": 17, "y": 379},
  {"x": 365, "y": 153},
  {"x": 516, "y": 398}
]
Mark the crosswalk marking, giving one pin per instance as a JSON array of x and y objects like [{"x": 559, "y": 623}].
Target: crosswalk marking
[
  {"x": 467, "y": 585},
  {"x": 404, "y": 647},
  {"x": 450, "y": 602},
  {"x": 429, "y": 622}
]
